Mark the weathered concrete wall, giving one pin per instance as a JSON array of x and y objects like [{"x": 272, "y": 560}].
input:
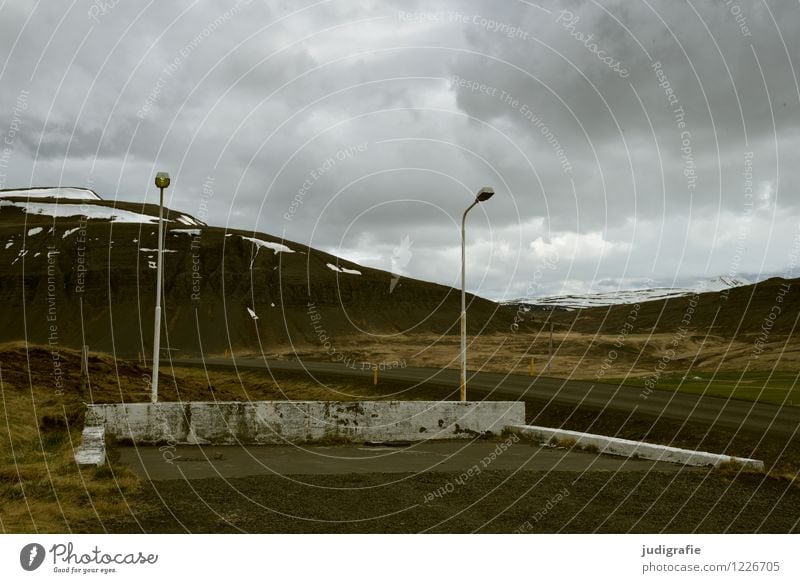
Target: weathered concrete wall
[
  {"x": 276, "y": 422},
  {"x": 628, "y": 448}
]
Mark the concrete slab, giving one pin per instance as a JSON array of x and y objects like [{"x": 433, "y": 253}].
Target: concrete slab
[
  {"x": 92, "y": 451},
  {"x": 205, "y": 461},
  {"x": 629, "y": 448}
]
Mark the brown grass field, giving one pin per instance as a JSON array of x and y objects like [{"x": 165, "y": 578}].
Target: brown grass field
[{"x": 43, "y": 490}]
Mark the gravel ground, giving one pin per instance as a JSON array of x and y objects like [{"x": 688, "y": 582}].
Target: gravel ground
[{"x": 492, "y": 502}]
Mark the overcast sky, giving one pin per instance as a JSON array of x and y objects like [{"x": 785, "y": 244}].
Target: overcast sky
[{"x": 629, "y": 143}]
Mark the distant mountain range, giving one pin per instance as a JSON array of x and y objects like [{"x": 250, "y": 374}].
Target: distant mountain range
[
  {"x": 77, "y": 269},
  {"x": 612, "y": 298}
]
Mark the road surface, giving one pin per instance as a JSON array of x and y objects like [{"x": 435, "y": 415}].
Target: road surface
[{"x": 714, "y": 412}]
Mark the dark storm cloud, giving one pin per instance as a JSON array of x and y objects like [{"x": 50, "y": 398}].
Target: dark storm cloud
[{"x": 354, "y": 127}]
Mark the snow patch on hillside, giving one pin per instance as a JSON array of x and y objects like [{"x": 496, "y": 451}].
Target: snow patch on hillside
[
  {"x": 74, "y": 210},
  {"x": 187, "y": 220},
  {"x": 276, "y": 247},
  {"x": 343, "y": 269},
  {"x": 71, "y": 193}
]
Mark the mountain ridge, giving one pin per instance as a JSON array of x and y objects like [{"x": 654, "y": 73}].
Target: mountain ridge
[{"x": 224, "y": 289}]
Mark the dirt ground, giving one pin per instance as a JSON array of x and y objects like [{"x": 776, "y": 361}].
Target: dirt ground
[{"x": 492, "y": 502}]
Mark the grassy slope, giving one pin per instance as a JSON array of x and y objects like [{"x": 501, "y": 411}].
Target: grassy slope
[{"x": 41, "y": 487}]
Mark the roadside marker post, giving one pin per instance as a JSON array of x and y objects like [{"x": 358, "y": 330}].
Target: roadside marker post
[
  {"x": 375, "y": 376},
  {"x": 84, "y": 368}
]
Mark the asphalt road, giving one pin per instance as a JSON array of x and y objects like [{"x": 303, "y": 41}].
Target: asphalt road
[{"x": 714, "y": 412}]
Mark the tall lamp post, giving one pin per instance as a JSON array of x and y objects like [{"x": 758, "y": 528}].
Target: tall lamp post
[
  {"x": 484, "y": 194},
  {"x": 162, "y": 182}
]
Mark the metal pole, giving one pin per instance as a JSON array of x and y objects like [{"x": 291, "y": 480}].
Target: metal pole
[
  {"x": 157, "y": 326},
  {"x": 463, "y": 385}
]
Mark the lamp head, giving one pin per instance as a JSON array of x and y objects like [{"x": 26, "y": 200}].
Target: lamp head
[
  {"x": 162, "y": 180},
  {"x": 484, "y": 194}
]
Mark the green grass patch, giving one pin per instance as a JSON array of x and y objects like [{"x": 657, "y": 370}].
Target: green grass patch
[{"x": 778, "y": 388}]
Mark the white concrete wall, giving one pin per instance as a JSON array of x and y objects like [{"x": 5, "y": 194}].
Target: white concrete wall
[
  {"x": 628, "y": 448},
  {"x": 275, "y": 422}
]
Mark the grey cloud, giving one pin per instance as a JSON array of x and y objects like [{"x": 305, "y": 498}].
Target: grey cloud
[{"x": 382, "y": 74}]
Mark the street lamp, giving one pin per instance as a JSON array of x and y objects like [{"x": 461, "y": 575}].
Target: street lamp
[
  {"x": 162, "y": 182},
  {"x": 484, "y": 194}
]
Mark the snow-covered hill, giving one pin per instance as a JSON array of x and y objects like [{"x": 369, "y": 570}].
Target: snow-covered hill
[{"x": 610, "y": 298}]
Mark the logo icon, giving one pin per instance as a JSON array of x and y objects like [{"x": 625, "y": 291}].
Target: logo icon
[
  {"x": 401, "y": 255},
  {"x": 31, "y": 556}
]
